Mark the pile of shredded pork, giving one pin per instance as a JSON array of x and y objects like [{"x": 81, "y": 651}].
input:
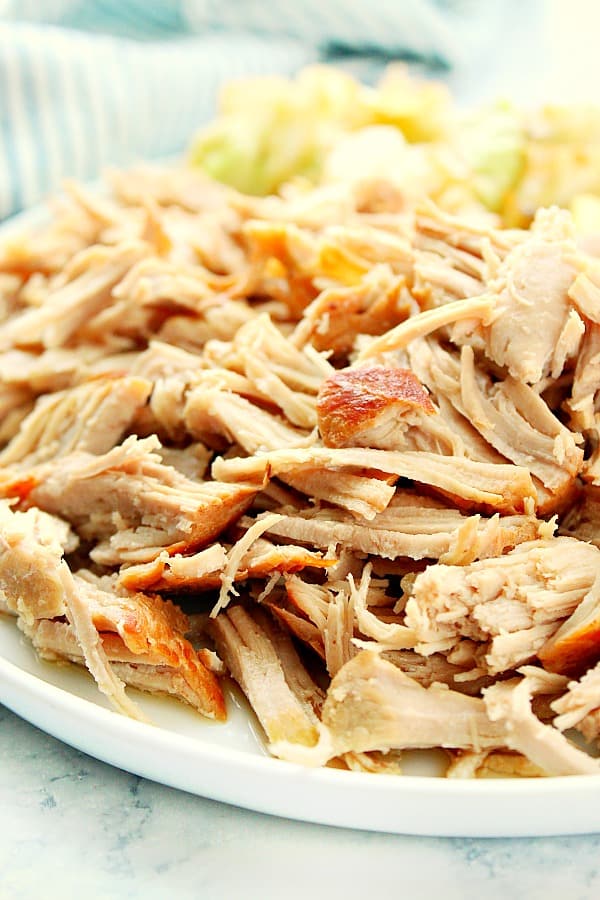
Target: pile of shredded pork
[{"x": 341, "y": 451}]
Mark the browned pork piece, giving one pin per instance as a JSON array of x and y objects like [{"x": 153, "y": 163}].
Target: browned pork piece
[
  {"x": 470, "y": 310},
  {"x": 69, "y": 617},
  {"x": 288, "y": 260},
  {"x": 143, "y": 639},
  {"x": 512, "y": 604},
  {"x": 388, "y": 408},
  {"x": 411, "y": 526},
  {"x": 130, "y": 502},
  {"x": 337, "y": 315},
  {"x": 576, "y": 644},
  {"x": 173, "y": 573},
  {"x": 505, "y": 488},
  {"x": 373, "y": 705},
  {"x": 36, "y": 582},
  {"x": 382, "y": 407},
  {"x": 509, "y": 705},
  {"x": 91, "y": 417},
  {"x": 263, "y": 661},
  {"x": 202, "y": 571},
  {"x": 81, "y": 290},
  {"x": 534, "y": 330}
]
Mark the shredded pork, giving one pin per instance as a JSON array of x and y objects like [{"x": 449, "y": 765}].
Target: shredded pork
[{"x": 358, "y": 442}]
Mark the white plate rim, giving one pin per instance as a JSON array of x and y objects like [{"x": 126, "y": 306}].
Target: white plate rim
[{"x": 388, "y": 803}]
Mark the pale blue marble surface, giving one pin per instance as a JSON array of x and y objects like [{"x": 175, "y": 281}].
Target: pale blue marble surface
[{"x": 72, "y": 827}]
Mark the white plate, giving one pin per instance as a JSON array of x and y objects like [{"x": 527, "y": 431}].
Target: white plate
[{"x": 229, "y": 762}]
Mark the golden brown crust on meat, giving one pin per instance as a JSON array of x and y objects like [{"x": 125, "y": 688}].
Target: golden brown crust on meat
[
  {"x": 144, "y": 622},
  {"x": 335, "y": 318},
  {"x": 352, "y": 399},
  {"x": 153, "y": 630},
  {"x": 173, "y": 574},
  {"x": 558, "y": 502},
  {"x": 180, "y": 671},
  {"x": 573, "y": 652}
]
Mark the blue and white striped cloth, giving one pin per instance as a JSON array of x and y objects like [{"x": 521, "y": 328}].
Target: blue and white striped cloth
[{"x": 85, "y": 83}]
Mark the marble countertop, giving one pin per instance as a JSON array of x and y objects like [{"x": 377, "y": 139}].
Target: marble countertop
[{"x": 73, "y": 827}]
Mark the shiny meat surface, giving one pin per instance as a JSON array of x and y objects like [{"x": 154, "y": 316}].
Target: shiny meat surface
[{"x": 354, "y": 436}]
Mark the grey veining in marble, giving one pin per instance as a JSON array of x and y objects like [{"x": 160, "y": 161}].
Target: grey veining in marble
[{"x": 73, "y": 827}]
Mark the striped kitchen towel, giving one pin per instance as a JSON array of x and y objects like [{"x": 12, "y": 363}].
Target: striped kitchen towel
[{"x": 85, "y": 83}]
